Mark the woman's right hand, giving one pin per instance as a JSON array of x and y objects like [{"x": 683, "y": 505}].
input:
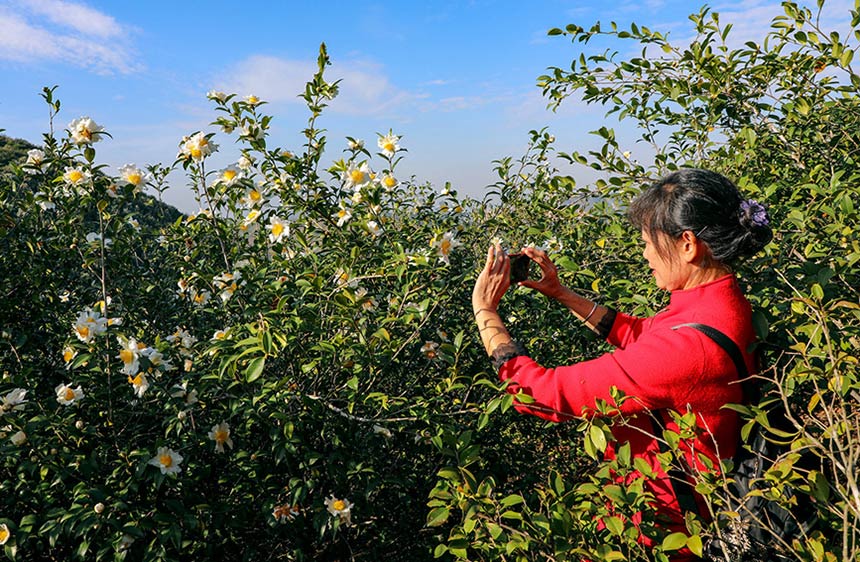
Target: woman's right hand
[{"x": 548, "y": 284}]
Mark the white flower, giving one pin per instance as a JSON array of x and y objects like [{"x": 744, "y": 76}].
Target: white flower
[
  {"x": 139, "y": 383},
  {"x": 354, "y": 144},
  {"x": 388, "y": 144},
  {"x": 252, "y": 131},
  {"x": 228, "y": 283},
  {"x": 125, "y": 542},
  {"x": 429, "y": 349},
  {"x": 252, "y": 99},
  {"x": 75, "y": 177},
  {"x": 130, "y": 355},
  {"x": 220, "y": 433},
  {"x": 35, "y": 157},
  {"x": 14, "y": 400},
  {"x": 134, "y": 175},
  {"x": 384, "y": 431},
  {"x": 343, "y": 215},
  {"x": 167, "y": 460},
  {"x": 339, "y": 508},
  {"x": 85, "y": 131},
  {"x": 197, "y": 147},
  {"x": 277, "y": 229},
  {"x": 285, "y": 512},
  {"x": 89, "y": 324},
  {"x": 444, "y": 245},
  {"x": 4, "y": 533},
  {"x": 66, "y": 395},
  {"x": 18, "y": 439},
  {"x": 200, "y": 298},
  {"x": 43, "y": 202},
  {"x": 356, "y": 176},
  {"x": 253, "y": 198},
  {"x": 229, "y": 176},
  {"x": 244, "y": 163},
  {"x": 216, "y": 95},
  {"x": 373, "y": 228},
  {"x": 96, "y": 238},
  {"x": 389, "y": 182},
  {"x": 181, "y": 391}
]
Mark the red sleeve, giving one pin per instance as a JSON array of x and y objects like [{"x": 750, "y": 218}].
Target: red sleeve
[
  {"x": 653, "y": 370},
  {"x": 626, "y": 329}
]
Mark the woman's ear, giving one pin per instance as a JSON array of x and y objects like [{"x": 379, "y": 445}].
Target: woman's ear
[{"x": 690, "y": 248}]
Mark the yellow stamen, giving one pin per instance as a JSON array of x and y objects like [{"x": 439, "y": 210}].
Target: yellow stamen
[
  {"x": 338, "y": 505},
  {"x": 127, "y": 356},
  {"x": 166, "y": 461},
  {"x": 69, "y": 395}
]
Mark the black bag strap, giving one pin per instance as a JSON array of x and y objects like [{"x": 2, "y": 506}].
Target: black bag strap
[{"x": 677, "y": 479}]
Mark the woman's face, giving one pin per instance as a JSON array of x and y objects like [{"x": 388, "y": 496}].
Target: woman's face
[{"x": 669, "y": 271}]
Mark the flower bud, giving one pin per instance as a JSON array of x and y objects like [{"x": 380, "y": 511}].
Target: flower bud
[
  {"x": 19, "y": 438},
  {"x": 79, "y": 424},
  {"x": 99, "y": 507}
]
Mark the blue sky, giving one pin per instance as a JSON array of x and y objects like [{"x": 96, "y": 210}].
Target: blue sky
[{"x": 455, "y": 79}]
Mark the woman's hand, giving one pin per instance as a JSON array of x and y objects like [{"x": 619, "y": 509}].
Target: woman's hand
[
  {"x": 493, "y": 281},
  {"x": 548, "y": 284}
]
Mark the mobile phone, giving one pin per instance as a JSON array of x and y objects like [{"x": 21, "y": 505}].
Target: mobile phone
[{"x": 520, "y": 264}]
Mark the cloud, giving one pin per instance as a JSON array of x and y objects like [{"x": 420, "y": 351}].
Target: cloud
[
  {"x": 57, "y": 31},
  {"x": 364, "y": 87}
]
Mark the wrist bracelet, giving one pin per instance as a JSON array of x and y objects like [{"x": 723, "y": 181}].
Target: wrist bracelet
[{"x": 590, "y": 314}]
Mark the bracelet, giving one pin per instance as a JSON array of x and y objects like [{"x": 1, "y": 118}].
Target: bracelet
[{"x": 590, "y": 314}]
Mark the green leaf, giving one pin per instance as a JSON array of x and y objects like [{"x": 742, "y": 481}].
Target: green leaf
[
  {"x": 674, "y": 541},
  {"x": 255, "y": 369},
  {"x": 438, "y": 516}
]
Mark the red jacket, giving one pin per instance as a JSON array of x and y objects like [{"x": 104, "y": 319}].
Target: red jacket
[{"x": 661, "y": 368}]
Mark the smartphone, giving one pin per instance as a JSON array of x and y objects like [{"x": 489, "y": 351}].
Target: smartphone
[{"x": 520, "y": 264}]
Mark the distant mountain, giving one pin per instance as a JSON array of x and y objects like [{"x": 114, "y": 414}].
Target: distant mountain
[{"x": 148, "y": 210}]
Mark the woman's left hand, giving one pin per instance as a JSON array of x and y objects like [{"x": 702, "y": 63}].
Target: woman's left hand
[{"x": 493, "y": 281}]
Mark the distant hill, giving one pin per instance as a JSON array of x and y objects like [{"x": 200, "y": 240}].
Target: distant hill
[{"x": 148, "y": 210}]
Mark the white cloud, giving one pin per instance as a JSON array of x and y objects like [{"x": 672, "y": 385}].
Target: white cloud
[
  {"x": 33, "y": 33},
  {"x": 77, "y": 16},
  {"x": 364, "y": 87}
]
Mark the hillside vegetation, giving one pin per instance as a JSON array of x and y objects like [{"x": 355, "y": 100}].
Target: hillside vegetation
[{"x": 293, "y": 373}]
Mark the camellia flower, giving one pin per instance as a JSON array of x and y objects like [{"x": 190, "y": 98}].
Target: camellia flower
[
  {"x": 277, "y": 229},
  {"x": 181, "y": 391},
  {"x": 220, "y": 433},
  {"x": 227, "y": 283},
  {"x": 356, "y": 176},
  {"x": 95, "y": 237},
  {"x": 285, "y": 512},
  {"x": 35, "y": 157},
  {"x": 129, "y": 354},
  {"x": 216, "y": 95},
  {"x": 373, "y": 228},
  {"x": 89, "y": 324},
  {"x": 66, "y": 395},
  {"x": 253, "y": 198},
  {"x": 134, "y": 175},
  {"x": 139, "y": 383},
  {"x": 18, "y": 439},
  {"x": 14, "y": 400},
  {"x": 389, "y": 182},
  {"x": 252, "y": 100},
  {"x": 167, "y": 460},
  {"x": 339, "y": 508},
  {"x": 343, "y": 215},
  {"x": 229, "y": 176},
  {"x": 76, "y": 176},
  {"x": 4, "y": 533},
  {"x": 429, "y": 349},
  {"x": 244, "y": 163},
  {"x": 185, "y": 339},
  {"x": 85, "y": 131},
  {"x": 388, "y": 144},
  {"x": 200, "y": 298},
  {"x": 354, "y": 144},
  {"x": 68, "y": 354},
  {"x": 197, "y": 147},
  {"x": 444, "y": 245}
]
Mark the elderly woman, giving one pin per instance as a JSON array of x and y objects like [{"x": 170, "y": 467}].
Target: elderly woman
[{"x": 695, "y": 224}]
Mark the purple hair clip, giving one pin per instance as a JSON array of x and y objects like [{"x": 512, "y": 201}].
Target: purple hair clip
[{"x": 753, "y": 213}]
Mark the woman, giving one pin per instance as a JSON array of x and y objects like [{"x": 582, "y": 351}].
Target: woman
[{"x": 695, "y": 225}]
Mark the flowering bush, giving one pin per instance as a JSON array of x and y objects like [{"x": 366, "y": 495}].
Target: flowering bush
[{"x": 292, "y": 371}]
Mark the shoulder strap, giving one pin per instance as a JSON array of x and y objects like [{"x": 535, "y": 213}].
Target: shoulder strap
[{"x": 677, "y": 479}]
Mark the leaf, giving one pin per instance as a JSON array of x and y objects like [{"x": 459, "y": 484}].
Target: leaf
[
  {"x": 255, "y": 369},
  {"x": 438, "y": 516},
  {"x": 674, "y": 541}
]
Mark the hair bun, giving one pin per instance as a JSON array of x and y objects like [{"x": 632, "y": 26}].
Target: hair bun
[{"x": 754, "y": 219}]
